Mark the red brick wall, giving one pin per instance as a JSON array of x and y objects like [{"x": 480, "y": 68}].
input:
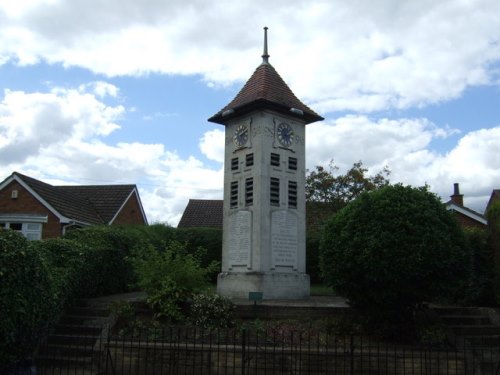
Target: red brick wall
[
  {"x": 467, "y": 222},
  {"x": 27, "y": 204},
  {"x": 130, "y": 213}
]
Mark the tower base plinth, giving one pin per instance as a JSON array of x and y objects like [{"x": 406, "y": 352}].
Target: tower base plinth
[{"x": 273, "y": 285}]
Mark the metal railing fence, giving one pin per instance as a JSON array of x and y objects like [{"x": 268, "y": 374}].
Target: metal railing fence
[{"x": 188, "y": 350}]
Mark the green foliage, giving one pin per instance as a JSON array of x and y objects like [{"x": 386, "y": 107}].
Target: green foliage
[
  {"x": 170, "y": 277},
  {"x": 209, "y": 239},
  {"x": 26, "y": 302},
  {"x": 392, "y": 249},
  {"x": 323, "y": 186},
  {"x": 493, "y": 216},
  {"x": 480, "y": 290},
  {"x": 312, "y": 257},
  {"x": 106, "y": 268},
  {"x": 67, "y": 265},
  {"x": 212, "y": 311}
]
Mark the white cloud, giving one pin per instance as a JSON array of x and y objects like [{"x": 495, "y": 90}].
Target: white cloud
[
  {"x": 377, "y": 55},
  {"x": 60, "y": 137},
  {"x": 212, "y": 145},
  {"x": 404, "y": 145}
]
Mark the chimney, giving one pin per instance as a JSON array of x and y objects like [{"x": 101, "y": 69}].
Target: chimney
[{"x": 457, "y": 198}]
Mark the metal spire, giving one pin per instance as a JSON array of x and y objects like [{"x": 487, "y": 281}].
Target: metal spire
[{"x": 265, "y": 56}]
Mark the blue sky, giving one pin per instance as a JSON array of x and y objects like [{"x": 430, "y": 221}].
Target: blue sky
[{"x": 98, "y": 92}]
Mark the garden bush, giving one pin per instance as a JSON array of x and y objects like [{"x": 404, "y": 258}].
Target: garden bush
[
  {"x": 480, "y": 289},
  {"x": 392, "y": 249},
  {"x": 107, "y": 270},
  {"x": 212, "y": 311},
  {"x": 26, "y": 299},
  {"x": 170, "y": 277}
]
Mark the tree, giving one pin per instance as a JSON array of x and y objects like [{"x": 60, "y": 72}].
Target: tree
[
  {"x": 392, "y": 249},
  {"x": 323, "y": 186}
]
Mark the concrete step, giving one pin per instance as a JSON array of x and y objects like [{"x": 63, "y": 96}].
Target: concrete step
[
  {"x": 65, "y": 350},
  {"x": 452, "y": 310},
  {"x": 71, "y": 329},
  {"x": 484, "y": 340},
  {"x": 476, "y": 330},
  {"x": 88, "y": 311},
  {"x": 455, "y": 320},
  {"x": 83, "y": 320},
  {"x": 69, "y": 339}
]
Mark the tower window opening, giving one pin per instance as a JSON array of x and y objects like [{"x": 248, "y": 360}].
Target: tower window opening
[
  {"x": 233, "y": 200},
  {"x": 292, "y": 194},
  {"x": 275, "y": 191},
  {"x": 275, "y": 159},
  {"x": 292, "y": 163},
  {"x": 234, "y": 164},
  {"x": 249, "y": 160},
  {"x": 249, "y": 191}
]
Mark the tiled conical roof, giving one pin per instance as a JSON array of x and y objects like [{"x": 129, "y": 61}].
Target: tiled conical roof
[{"x": 265, "y": 89}]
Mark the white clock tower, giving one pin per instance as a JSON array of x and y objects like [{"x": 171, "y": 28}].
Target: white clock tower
[{"x": 264, "y": 198}]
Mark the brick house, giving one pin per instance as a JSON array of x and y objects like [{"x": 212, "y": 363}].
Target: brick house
[
  {"x": 466, "y": 217},
  {"x": 39, "y": 210}
]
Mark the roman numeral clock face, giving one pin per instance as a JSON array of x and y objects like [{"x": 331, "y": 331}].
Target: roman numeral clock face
[{"x": 285, "y": 134}]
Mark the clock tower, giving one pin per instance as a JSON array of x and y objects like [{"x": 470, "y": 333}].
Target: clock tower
[{"x": 264, "y": 180}]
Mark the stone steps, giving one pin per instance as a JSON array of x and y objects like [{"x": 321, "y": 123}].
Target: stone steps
[
  {"x": 73, "y": 345},
  {"x": 473, "y": 327}
]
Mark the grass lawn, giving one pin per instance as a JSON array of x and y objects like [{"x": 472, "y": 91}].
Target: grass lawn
[{"x": 321, "y": 290}]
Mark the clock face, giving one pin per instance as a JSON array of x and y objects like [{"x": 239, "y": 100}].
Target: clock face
[
  {"x": 285, "y": 134},
  {"x": 240, "y": 136}
]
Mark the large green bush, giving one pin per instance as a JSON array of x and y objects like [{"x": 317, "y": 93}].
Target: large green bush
[
  {"x": 493, "y": 216},
  {"x": 26, "y": 300},
  {"x": 480, "y": 289},
  {"x": 106, "y": 268},
  {"x": 392, "y": 249},
  {"x": 70, "y": 266}
]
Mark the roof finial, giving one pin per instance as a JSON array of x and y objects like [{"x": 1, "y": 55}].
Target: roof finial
[{"x": 265, "y": 56}]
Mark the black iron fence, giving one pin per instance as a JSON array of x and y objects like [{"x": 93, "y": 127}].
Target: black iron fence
[{"x": 181, "y": 350}]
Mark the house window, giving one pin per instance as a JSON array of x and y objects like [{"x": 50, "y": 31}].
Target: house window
[
  {"x": 249, "y": 191},
  {"x": 234, "y": 164},
  {"x": 233, "y": 199},
  {"x": 275, "y": 159},
  {"x": 292, "y": 163},
  {"x": 249, "y": 160},
  {"x": 292, "y": 194},
  {"x": 275, "y": 191},
  {"x": 32, "y": 231}
]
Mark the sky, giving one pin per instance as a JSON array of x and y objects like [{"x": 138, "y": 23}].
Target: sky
[{"x": 119, "y": 91}]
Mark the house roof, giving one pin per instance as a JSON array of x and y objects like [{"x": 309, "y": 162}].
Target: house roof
[
  {"x": 476, "y": 216},
  {"x": 265, "y": 89},
  {"x": 201, "y": 213},
  {"x": 90, "y": 204}
]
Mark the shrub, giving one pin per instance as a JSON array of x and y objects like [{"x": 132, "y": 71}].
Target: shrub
[
  {"x": 480, "y": 290},
  {"x": 392, "y": 249},
  {"x": 493, "y": 216},
  {"x": 212, "y": 311},
  {"x": 170, "y": 277},
  {"x": 26, "y": 301},
  {"x": 67, "y": 263},
  {"x": 106, "y": 268},
  {"x": 210, "y": 239}
]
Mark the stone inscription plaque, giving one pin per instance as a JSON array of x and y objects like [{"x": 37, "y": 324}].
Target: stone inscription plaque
[
  {"x": 284, "y": 239},
  {"x": 240, "y": 230}
]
